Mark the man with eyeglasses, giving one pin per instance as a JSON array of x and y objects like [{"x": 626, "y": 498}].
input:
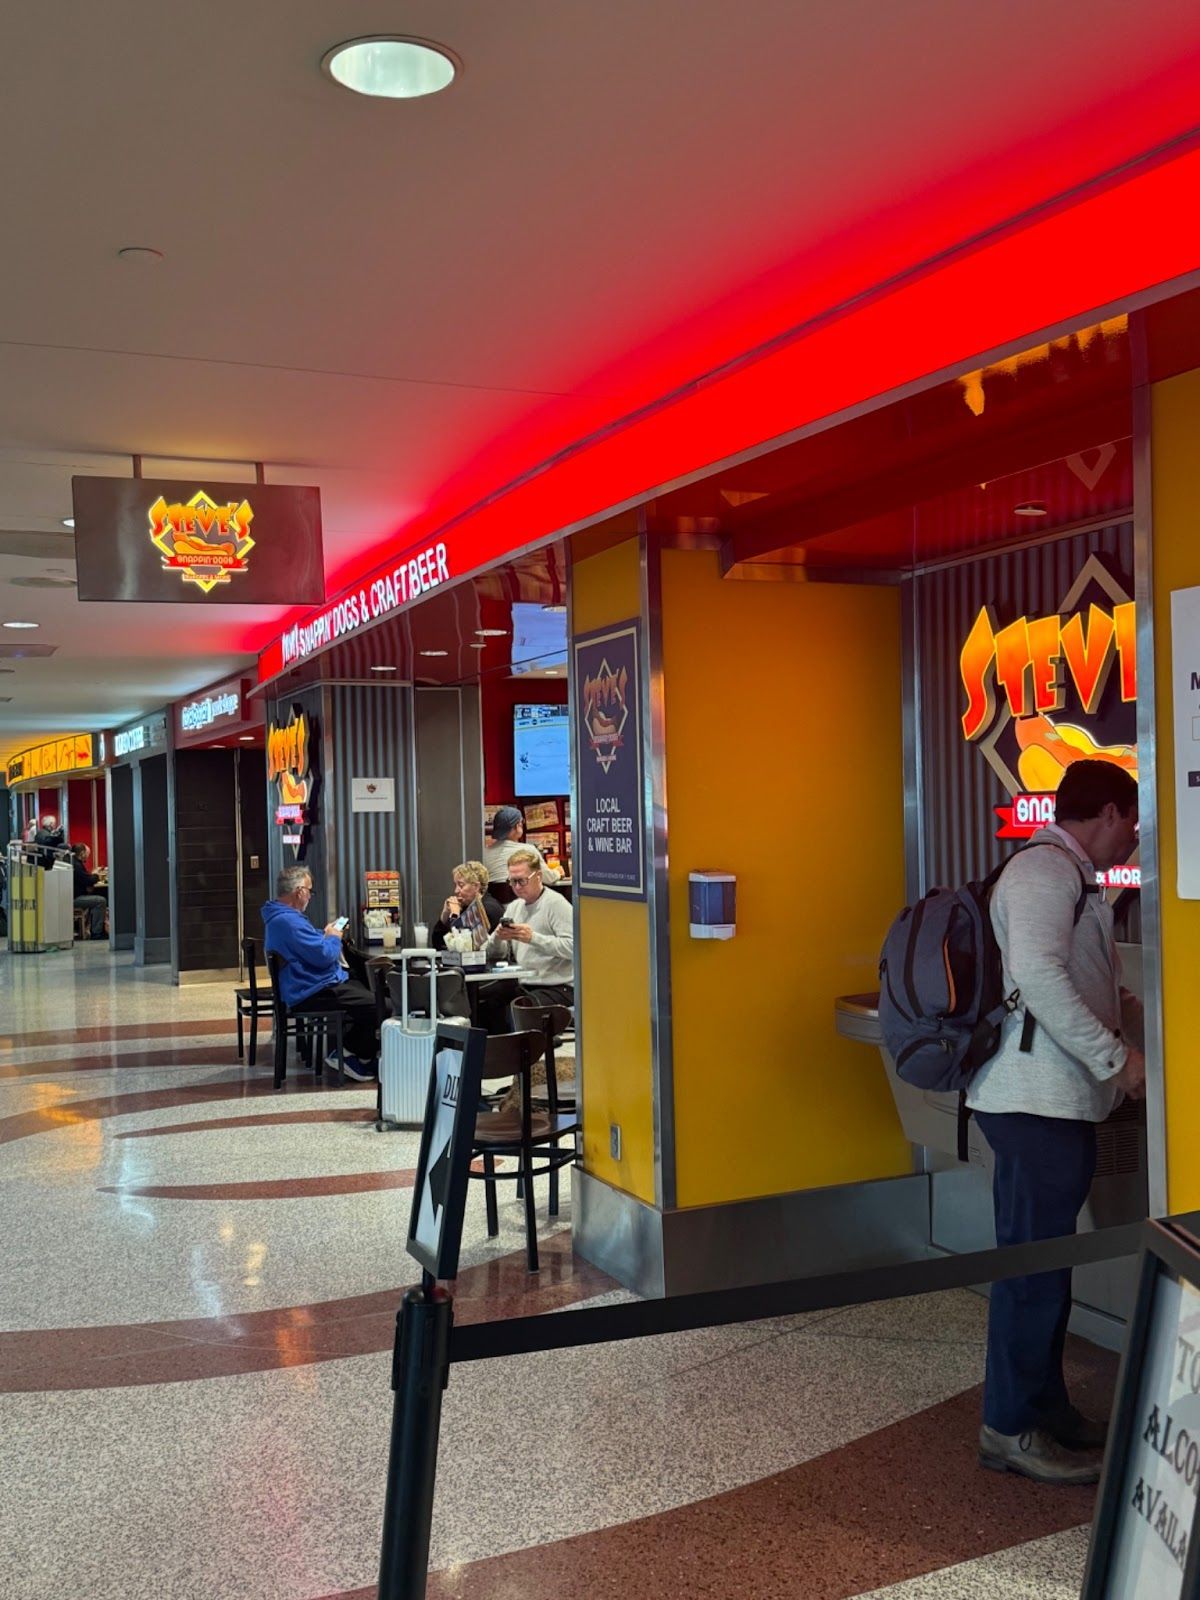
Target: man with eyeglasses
[
  {"x": 537, "y": 933},
  {"x": 312, "y": 977}
]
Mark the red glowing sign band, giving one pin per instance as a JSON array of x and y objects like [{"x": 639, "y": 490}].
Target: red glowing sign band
[
  {"x": 1052, "y": 271},
  {"x": 1022, "y": 818}
]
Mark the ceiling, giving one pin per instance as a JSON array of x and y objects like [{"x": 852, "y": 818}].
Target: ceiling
[{"x": 408, "y": 304}]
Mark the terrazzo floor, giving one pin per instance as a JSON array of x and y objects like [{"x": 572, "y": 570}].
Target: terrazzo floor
[{"x": 196, "y": 1314}]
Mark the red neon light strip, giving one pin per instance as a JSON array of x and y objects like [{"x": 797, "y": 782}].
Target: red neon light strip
[{"x": 1093, "y": 254}]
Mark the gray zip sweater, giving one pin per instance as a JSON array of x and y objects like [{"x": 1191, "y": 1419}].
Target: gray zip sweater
[
  {"x": 549, "y": 957},
  {"x": 1068, "y": 976}
]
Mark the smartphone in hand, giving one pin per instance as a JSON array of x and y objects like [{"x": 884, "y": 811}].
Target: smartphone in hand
[{"x": 340, "y": 922}]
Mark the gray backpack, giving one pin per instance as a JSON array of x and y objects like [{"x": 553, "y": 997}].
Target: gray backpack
[{"x": 941, "y": 987}]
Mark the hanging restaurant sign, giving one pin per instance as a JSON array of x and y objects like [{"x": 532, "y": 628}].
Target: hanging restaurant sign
[
  {"x": 75, "y": 753},
  {"x": 206, "y": 542},
  {"x": 1044, "y": 692}
]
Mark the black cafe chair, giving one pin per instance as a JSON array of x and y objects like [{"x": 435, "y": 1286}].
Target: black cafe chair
[
  {"x": 253, "y": 1001},
  {"x": 525, "y": 1131},
  {"x": 553, "y": 1022},
  {"x": 313, "y": 1031}
]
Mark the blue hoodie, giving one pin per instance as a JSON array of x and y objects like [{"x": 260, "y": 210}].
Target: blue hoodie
[{"x": 310, "y": 958}]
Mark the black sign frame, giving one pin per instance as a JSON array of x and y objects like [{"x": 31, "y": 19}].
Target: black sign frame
[
  {"x": 441, "y": 1261},
  {"x": 600, "y": 797},
  {"x": 1170, "y": 1248}
]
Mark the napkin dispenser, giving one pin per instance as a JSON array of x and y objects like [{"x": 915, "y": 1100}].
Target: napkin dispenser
[{"x": 712, "y": 905}]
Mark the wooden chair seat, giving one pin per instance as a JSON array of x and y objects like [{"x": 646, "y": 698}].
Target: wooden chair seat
[
  {"x": 524, "y": 1130},
  {"x": 495, "y": 1128}
]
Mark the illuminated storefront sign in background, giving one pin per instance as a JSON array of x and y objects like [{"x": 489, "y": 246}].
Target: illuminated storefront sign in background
[
  {"x": 75, "y": 753},
  {"x": 289, "y": 768},
  {"x": 1043, "y": 692},
  {"x": 409, "y": 579}
]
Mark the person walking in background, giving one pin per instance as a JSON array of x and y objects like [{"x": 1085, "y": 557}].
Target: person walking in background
[{"x": 1067, "y": 1053}]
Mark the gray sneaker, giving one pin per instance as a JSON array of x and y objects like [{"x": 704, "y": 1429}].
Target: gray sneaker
[{"x": 1037, "y": 1455}]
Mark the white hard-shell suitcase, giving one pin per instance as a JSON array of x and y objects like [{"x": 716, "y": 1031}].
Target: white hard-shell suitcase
[{"x": 405, "y": 1059}]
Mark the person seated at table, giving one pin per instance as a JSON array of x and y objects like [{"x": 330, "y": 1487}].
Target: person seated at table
[
  {"x": 312, "y": 977},
  {"x": 537, "y": 932},
  {"x": 470, "y": 906},
  {"x": 87, "y": 891},
  {"x": 508, "y": 831}
]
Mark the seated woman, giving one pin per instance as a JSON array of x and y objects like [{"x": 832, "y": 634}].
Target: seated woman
[{"x": 470, "y": 906}]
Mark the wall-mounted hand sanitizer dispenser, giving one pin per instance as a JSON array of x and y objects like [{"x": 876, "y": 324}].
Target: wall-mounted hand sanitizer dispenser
[{"x": 712, "y": 905}]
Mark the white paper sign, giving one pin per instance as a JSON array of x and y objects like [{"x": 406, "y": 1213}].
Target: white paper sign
[
  {"x": 1158, "y": 1496},
  {"x": 1185, "y": 688},
  {"x": 372, "y": 794}
]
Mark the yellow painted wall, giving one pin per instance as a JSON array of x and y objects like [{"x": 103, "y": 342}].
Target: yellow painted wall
[
  {"x": 614, "y": 949},
  {"x": 784, "y": 766},
  {"x": 1176, "y": 498}
]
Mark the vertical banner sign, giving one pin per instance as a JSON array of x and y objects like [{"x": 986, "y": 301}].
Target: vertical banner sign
[
  {"x": 440, "y": 1184},
  {"x": 1185, "y": 689},
  {"x": 609, "y": 829}
]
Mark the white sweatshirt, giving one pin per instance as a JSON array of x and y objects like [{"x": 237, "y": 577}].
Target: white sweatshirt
[
  {"x": 1068, "y": 975},
  {"x": 549, "y": 957}
]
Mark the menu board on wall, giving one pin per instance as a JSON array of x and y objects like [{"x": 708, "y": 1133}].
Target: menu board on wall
[
  {"x": 609, "y": 857},
  {"x": 541, "y": 814}
]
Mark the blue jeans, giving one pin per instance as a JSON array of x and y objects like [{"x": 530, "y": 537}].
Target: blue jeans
[{"x": 1044, "y": 1169}]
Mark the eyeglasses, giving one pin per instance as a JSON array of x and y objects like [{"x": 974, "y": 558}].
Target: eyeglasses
[{"x": 519, "y": 883}]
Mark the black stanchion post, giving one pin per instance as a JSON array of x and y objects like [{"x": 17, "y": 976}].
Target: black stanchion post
[{"x": 420, "y": 1368}]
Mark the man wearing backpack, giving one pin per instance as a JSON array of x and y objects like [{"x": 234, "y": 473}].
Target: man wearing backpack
[{"x": 1061, "y": 1066}]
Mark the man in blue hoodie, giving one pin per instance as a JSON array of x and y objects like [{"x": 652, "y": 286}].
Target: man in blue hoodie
[{"x": 312, "y": 977}]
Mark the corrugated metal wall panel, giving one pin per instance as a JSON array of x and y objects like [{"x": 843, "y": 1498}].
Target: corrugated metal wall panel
[
  {"x": 366, "y": 737},
  {"x": 959, "y": 788}
]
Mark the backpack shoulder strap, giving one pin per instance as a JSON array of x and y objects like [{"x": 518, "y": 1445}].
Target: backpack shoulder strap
[{"x": 1030, "y": 1023}]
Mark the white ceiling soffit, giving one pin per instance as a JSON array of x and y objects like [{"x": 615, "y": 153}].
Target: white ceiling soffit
[{"x": 377, "y": 296}]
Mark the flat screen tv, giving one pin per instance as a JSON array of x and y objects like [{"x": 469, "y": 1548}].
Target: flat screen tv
[
  {"x": 541, "y": 750},
  {"x": 539, "y": 638}
]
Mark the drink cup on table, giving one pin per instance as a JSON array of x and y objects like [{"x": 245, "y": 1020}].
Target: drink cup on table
[{"x": 421, "y": 935}]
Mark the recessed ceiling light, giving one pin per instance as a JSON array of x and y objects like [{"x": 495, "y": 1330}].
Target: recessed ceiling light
[
  {"x": 479, "y": 645},
  {"x": 140, "y": 255},
  {"x": 391, "y": 67},
  {"x": 245, "y": 738},
  {"x": 554, "y": 608},
  {"x": 433, "y": 652},
  {"x": 21, "y": 624},
  {"x": 68, "y": 522},
  {"x": 491, "y": 633},
  {"x": 383, "y": 669},
  {"x": 1030, "y": 508}
]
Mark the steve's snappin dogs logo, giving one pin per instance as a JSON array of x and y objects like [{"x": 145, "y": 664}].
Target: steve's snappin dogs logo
[
  {"x": 1044, "y": 692},
  {"x": 201, "y": 540},
  {"x": 605, "y": 712}
]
